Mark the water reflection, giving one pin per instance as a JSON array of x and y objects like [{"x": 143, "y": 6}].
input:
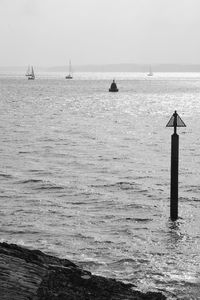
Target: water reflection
[{"x": 174, "y": 235}]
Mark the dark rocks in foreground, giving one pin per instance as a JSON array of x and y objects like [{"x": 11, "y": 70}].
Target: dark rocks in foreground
[{"x": 32, "y": 275}]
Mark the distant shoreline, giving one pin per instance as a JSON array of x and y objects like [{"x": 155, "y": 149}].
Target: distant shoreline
[{"x": 143, "y": 68}]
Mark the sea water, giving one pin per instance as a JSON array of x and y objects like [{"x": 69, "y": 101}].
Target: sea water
[{"x": 85, "y": 174}]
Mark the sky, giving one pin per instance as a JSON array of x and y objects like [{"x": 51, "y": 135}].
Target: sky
[{"x": 50, "y": 32}]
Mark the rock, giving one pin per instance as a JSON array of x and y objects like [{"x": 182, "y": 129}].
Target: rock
[{"x": 32, "y": 275}]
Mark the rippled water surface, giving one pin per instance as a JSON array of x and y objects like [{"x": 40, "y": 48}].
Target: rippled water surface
[{"x": 85, "y": 174}]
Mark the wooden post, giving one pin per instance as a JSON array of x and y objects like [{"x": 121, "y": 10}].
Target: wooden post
[{"x": 174, "y": 177}]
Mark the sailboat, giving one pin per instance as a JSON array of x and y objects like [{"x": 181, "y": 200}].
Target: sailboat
[
  {"x": 30, "y": 73},
  {"x": 150, "y": 72},
  {"x": 69, "y": 76}
]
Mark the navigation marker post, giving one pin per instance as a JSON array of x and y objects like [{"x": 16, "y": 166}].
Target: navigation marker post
[{"x": 175, "y": 122}]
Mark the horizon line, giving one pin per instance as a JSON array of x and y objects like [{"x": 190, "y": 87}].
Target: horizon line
[{"x": 104, "y": 64}]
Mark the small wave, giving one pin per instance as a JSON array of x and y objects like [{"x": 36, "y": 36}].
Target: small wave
[
  {"x": 192, "y": 199},
  {"x": 142, "y": 177},
  {"x": 41, "y": 185},
  {"x": 39, "y": 171},
  {"x": 5, "y": 175},
  {"x": 46, "y": 140},
  {"x": 133, "y": 206},
  {"x": 122, "y": 185},
  {"x": 21, "y": 232},
  {"x": 123, "y": 261},
  {"x": 25, "y": 232},
  {"x": 194, "y": 190},
  {"x": 89, "y": 264},
  {"x": 137, "y": 220},
  {"x": 82, "y": 236},
  {"x": 23, "y": 152},
  {"x": 78, "y": 203},
  {"x": 126, "y": 260},
  {"x": 31, "y": 181},
  {"x": 126, "y": 185},
  {"x": 49, "y": 187},
  {"x": 143, "y": 191}
]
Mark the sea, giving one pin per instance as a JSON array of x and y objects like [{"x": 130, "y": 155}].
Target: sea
[{"x": 85, "y": 174}]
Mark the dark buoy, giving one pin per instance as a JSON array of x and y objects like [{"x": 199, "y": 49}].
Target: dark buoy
[{"x": 113, "y": 87}]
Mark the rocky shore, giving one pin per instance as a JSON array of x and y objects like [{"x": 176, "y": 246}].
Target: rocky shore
[{"x": 32, "y": 275}]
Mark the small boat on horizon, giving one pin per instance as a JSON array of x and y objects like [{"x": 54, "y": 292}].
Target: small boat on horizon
[
  {"x": 113, "y": 87},
  {"x": 30, "y": 73},
  {"x": 150, "y": 72},
  {"x": 69, "y": 76}
]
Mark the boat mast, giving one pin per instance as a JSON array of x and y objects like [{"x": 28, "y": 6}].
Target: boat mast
[
  {"x": 28, "y": 71},
  {"x": 70, "y": 67},
  {"x": 32, "y": 72}
]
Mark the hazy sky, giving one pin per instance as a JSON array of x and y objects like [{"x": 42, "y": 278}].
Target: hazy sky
[{"x": 50, "y": 32}]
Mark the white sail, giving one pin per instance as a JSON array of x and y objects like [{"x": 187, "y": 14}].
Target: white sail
[
  {"x": 150, "y": 72},
  {"x": 69, "y": 76},
  {"x": 30, "y": 73}
]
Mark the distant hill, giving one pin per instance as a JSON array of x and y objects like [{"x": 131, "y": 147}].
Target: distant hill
[{"x": 126, "y": 67}]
